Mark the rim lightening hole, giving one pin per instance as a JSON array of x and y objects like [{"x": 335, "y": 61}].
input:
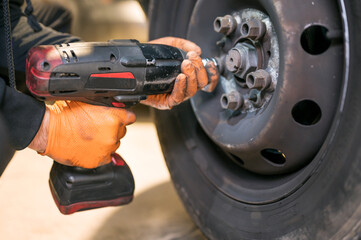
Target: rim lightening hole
[
  {"x": 306, "y": 113},
  {"x": 274, "y": 156},
  {"x": 237, "y": 159},
  {"x": 314, "y": 40}
]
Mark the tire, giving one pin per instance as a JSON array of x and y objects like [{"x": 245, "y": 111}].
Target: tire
[{"x": 326, "y": 204}]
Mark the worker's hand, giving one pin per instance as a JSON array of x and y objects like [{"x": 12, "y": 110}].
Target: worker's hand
[
  {"x": 193, "y": 77},
  {"x": 79, "y": 134}
]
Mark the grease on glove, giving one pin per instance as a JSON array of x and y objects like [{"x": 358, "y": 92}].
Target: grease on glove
[
  {"x": 193, "y": 77},
  {"x": 180, "y": 43}
]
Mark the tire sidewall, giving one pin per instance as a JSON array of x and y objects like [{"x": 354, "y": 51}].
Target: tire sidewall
[{"x": 326, "y": 206}]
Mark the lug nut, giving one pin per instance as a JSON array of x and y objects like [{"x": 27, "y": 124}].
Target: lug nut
[
  {"x": 253, "y": 29},
  {"x": 259, "y": 79},
  {"x": 233, "y": 100},
  {"x": 225, "y": 25}
]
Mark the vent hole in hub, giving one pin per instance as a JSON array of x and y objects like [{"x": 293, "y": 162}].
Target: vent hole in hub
[
  {"x": 314, "y": 40},
  {"x": 274, "y": 156},
  {"x": 306, "y": 112}
]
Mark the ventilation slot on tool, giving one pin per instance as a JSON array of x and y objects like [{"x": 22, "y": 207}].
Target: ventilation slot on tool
[
  {"x": 67, "y": 91},
  {"x": 104, "y": 68},
  {"x": 74, "y": 55},
  {"x": 112, "y": 57},
  {"x": 67, "y": 75},
  {"x": 66, "y": 56}
]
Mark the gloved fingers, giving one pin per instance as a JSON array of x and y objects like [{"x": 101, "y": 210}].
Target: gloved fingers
[
  {"x": 127, "y": 117},
  {"x": 189, "y": 71},
  {"x": 159, "y": 101},
  {"x": 187, "y": 46},
  {"x": 178, "y": 94},
  {"x": 183, "y": 44},
  {"x": 104, "y": 162},
  {"x": 202, "y": 78},
  {"x": 121, "y": 133},
  {"x": 85, "y": 135},
  {"x": 213, "y": 77}
]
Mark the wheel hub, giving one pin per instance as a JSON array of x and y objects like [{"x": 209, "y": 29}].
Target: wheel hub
[{"x": 267, "y": 113}]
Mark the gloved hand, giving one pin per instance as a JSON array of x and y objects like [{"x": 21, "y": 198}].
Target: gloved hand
[
  {"x": 80, "y": 134},
  {"x": 193, "y": 76}
]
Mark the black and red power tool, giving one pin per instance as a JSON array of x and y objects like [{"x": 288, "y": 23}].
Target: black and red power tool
[{"x": 118, "y": 73}]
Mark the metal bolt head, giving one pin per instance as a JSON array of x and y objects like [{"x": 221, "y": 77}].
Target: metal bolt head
[
  {"x": 225, "y": 25},
  {"x": 259, "y": 79},
  {"x": 253, "y": 29},
  {"x": 234, "y": 60},
  {"x": 233, "y": 100},
  {"x": 242, "y": 59}
]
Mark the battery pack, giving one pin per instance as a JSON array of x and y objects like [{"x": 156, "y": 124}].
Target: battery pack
[{"x": 77, "y": 189}]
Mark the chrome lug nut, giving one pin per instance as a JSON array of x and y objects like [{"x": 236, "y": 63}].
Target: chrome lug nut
[
  {"x": 253, "y": 29},
  {"x": 225, "y": 25},
  {"x": 233, "y": 100},
  {"x": 259, "y": 79}
]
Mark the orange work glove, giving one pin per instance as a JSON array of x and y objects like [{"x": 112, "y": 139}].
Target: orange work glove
[
  {"x": 193, "y": 77},
  {"x": 85, "y": 135}
]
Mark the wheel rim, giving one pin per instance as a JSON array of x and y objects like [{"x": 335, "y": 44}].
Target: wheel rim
[{"x": 277, "y": 128}]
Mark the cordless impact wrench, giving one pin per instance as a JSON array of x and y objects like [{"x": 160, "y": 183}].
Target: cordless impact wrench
[{"x": 117, "y": 73}]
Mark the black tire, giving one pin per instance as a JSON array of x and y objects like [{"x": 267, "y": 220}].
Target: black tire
[{"x": 325, "y": 206}]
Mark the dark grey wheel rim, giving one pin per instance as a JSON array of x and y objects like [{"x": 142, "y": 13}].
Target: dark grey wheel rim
[{"x": 285, "y": 178}]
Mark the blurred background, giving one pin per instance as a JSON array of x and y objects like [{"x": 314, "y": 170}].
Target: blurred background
[{"x": 27, "y": 210}]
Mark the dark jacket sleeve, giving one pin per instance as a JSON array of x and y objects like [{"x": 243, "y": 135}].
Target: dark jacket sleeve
[{"x": 22, "y": 115}]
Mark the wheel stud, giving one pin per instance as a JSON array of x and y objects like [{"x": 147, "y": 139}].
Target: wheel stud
[
  {"x": 225, "y": 25},
  {"x": 259, "y": 79},
  {"x": 255, "y": 98},
  {"x": 233, "y": 100}
]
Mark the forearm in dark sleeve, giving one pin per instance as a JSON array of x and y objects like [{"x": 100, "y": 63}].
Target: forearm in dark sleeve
[
  {"x": 22, "y": 114},
  {"x": 25, "y": 38}
]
